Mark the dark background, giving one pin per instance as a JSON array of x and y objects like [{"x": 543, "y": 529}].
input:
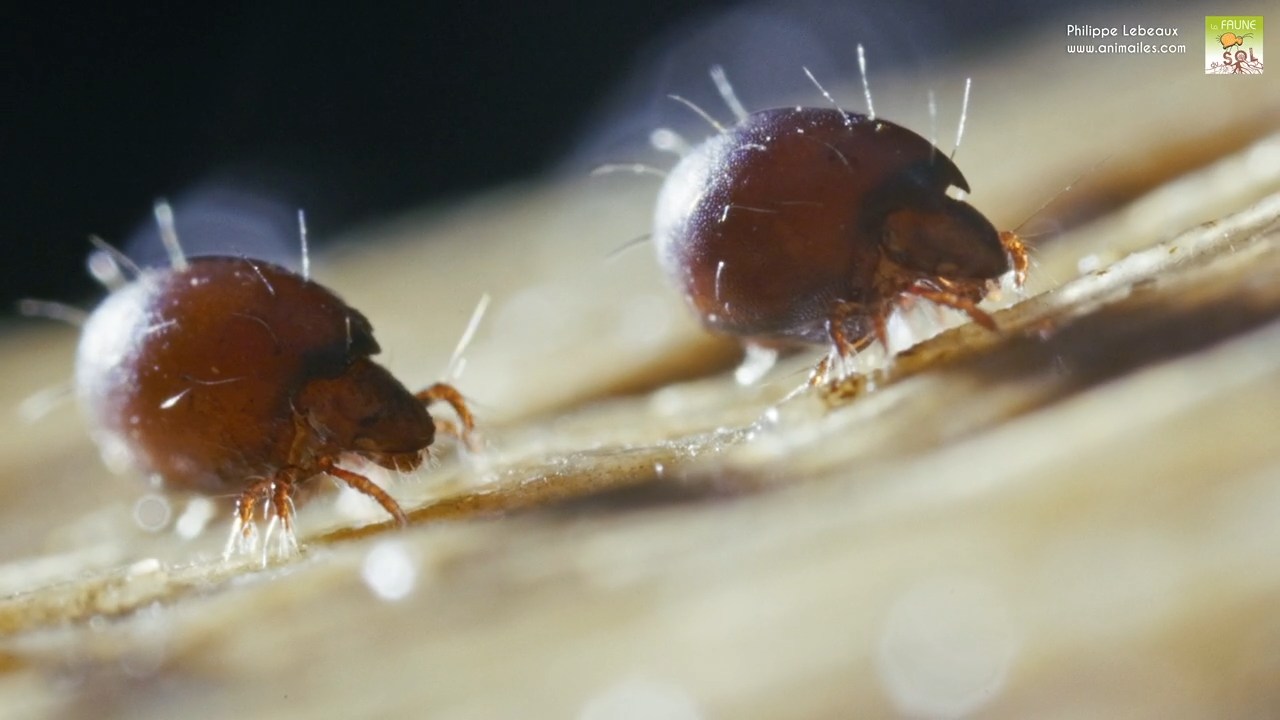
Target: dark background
[
  {"x": 348, "y": 113},
  {"x": 353, "y": 114}
]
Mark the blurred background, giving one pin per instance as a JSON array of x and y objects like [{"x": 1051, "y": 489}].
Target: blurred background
[{"x": 244, "y": 115}]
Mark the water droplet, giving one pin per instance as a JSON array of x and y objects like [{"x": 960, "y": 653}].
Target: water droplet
[
  {"x": 152, "y": 512},
  {"x": 389, "y": 571},
  {"x": 1088, "y": 264},
  {"x": 194, "y": 518}
]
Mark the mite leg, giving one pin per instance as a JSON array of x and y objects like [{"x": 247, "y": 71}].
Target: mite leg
[
  {"x": 365, "y": 485},
  {"x": 450, "y": 395},
  {"x": 880, "y": 321},
  {"x": 907, "y": 303},
  {"x": 819, "y": 374},
  {"x": 841, "y": 343},
  {"x": 243, "y": 530},
  {"x": 1018, "y": 254},
  {"x": 282, "y": 504},
  {"x": 244, "y": 505},
  {"x": 450, "y": 428},
  {"x": 957, "y": 301},
  {"x": 837, "y": 323}
]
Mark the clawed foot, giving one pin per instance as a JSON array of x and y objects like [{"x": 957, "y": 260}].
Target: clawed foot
[{"x": 279, "y": 541}]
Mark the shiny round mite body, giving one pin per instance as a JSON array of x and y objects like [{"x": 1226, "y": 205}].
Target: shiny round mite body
[
  {"x": 228, "y": 376},
  {"x": 811, "y": 224}
]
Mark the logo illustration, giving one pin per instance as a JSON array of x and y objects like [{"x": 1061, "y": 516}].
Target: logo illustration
[{"x": 1233, "y": 45}]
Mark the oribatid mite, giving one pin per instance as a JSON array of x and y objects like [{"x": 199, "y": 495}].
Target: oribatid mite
[
  {"x": 229, "y": 376},
  {"x": 812, "y": 224}
]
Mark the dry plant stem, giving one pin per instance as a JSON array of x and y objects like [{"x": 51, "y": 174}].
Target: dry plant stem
[{"x": 1223, "y": 252}]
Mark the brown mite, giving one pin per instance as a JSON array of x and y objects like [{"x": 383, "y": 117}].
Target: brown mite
[
  {"x": 228, "y": 376},
  {"x": 812, "y": 224}
]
